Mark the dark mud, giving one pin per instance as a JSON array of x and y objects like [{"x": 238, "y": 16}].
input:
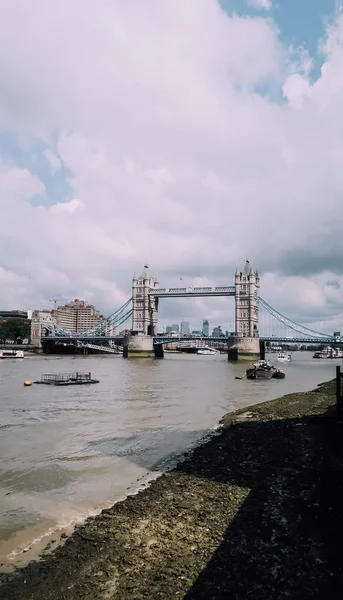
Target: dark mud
[{"x": 256, "y": 512}]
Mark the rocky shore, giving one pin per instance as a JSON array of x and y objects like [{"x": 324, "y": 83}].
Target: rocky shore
[{"x": 256, "y": 512}]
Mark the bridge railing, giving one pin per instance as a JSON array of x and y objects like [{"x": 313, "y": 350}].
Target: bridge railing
[{"x": 190, "y": 290}]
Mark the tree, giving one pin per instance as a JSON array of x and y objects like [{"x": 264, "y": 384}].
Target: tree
[{"x": 14, "y": 329}]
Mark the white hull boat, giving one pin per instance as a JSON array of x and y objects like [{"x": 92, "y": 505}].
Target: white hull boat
[
  {"x": 11, "y": 354},
  {"x": 283, "y": 357}
]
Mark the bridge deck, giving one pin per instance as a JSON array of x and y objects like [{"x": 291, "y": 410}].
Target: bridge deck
[
  {"x": 192, "y": 292},
  {"x": 167, "y": 339}
]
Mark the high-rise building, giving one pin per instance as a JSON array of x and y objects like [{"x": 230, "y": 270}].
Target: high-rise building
[
  {"x": 217, "y": 331},
  {"x": 172, "y": 328},
  {"x": 205, "y": 327},
  {"x": 185, "y": 327},
  {"x": 76, "y": 316}
]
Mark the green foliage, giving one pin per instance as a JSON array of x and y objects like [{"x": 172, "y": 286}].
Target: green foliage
[{"x": 14, "y": 329}]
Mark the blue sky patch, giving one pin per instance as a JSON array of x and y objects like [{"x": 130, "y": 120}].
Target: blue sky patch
[
  {"x": 301, "y": 22},
  {"x": 24, "y": 154}
]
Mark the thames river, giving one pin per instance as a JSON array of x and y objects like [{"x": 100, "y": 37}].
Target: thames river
[{"x": 66, "y": 453}]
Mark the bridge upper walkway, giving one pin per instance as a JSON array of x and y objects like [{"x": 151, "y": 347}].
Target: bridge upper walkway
[{"x": 188, "y": 292}]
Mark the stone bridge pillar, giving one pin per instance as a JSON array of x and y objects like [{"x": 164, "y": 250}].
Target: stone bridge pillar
[
  {"x": 245, "y": 344},
  {"x": 36, "y": 334},
  {"x": 144, "y": 304},
  {"x": 40, "y": 319}
]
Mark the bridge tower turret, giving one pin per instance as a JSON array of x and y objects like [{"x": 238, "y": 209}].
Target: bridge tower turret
[
  {"x": 247, "y": 283},
  {"x": 144, "y": 304}
]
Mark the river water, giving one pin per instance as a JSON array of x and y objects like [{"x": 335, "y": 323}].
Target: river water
[{"x": 65, "y": 453}]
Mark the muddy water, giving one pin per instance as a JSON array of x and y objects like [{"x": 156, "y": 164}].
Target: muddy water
[{"x": 66, "y": 453}]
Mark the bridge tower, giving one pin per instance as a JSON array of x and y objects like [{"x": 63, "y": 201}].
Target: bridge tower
[
  {"x": 144, "y": 305},
  {"x": 247, "y": 284}
]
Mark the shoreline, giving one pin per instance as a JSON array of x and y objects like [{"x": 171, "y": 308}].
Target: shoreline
[
  {"x": 34, "y": 549},
  {"x": 169, "y": 538}
]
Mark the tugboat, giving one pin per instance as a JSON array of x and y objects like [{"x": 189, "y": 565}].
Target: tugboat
[
  {"x": 60, "y": 379},
  {"x": 262, "y": 369}
]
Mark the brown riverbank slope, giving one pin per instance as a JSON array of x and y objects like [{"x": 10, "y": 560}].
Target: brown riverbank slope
[{"x": 254, "y": 513}]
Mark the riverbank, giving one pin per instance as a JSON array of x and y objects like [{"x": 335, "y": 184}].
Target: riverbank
[{"x": 255, "y": 512}]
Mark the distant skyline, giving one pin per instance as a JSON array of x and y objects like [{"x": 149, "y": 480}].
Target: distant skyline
[{"x": 225, "y": 144}]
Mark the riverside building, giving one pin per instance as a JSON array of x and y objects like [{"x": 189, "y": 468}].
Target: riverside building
[{"x": 77, "y": 316}]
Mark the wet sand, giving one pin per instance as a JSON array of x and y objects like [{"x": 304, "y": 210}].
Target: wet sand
[{"x": 256, "y": 512}]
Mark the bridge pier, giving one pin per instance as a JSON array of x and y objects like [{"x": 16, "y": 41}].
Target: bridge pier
[
  {"x": 244, "y": 348},
  {"x": 159, "y": 351},
  {"x": 138, "y": 346}
]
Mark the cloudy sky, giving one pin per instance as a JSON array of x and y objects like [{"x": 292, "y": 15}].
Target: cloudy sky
[{"x": 190, "y": 134}]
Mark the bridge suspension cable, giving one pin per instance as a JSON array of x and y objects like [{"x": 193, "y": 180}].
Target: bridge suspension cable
[{"x": 291, "y": 324}]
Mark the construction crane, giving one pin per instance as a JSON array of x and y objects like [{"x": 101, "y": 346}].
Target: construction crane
[{"x": 55, "y": 300}]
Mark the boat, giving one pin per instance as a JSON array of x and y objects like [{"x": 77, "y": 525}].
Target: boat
[
  {"x": 11, "y": 354},
  {"x": 189, "y": 349},
  {"x": 206, "y": 351},
  {"x": 328, "y": 352},
  {"x": 62, "y": 379},
  {"x": 262, "y": 369},
  {"x": 319, "y": 354},
  {"x": 279, "y": 374},
  {"x": 283, "y": 357}
]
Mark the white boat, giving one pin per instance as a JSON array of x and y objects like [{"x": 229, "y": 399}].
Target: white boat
[
  {"x": 206, "y": 351},
  {"x": 283, "y": 357},
  {"x": 328, "y": 352},
  {"x": 11, "y": 354}
]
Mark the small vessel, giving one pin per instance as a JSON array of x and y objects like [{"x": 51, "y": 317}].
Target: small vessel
[
  {"x": 11, "y": 354},
  {"x": 206, "y": 351},
  {"x": 279, "y": 374},
  {"x": 189, "y": 349},
  {"x": 328, "y": 352},
  {"x": 262, "y": 369},
  {"x": 283, "y": 357},
  {"x": 77, "y": 378}
]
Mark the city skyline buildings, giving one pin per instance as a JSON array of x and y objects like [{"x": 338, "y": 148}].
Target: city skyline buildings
[{"x": 185, "y": 329}]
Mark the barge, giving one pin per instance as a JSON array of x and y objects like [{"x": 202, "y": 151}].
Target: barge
[{"x": 62, "y": 379}]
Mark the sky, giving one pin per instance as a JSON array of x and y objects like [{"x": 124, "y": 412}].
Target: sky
[{"x": 189, "y": 134}]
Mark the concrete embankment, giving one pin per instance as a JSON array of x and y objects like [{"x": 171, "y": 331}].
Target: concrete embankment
[{"x": 256, "y": 512}]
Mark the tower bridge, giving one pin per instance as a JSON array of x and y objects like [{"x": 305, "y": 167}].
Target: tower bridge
[
  {"x": 251, "y": 314},
  {"x": 146, "y": 294}
]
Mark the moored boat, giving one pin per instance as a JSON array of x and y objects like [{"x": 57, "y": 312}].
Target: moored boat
[
  {"x": 11, "y": 354},
  {"x": 328, "y": 352},
  {"x": 279, "y": 374},
  {"x": 206, "y": 351},
  {"x": 262, "y": 369}
]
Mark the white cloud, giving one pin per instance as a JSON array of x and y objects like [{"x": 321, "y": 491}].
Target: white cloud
[
  {"x": 174, "y": 156},
  {"x": 260, "y": 4},
  {"x": 18, "y": 183},
  {"x": 65, "y": 207}
]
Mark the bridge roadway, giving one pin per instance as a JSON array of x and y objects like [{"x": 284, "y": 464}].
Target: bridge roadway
[
  {"x": 191, "y": 292},
  {"x": 167, "y": 339}
]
